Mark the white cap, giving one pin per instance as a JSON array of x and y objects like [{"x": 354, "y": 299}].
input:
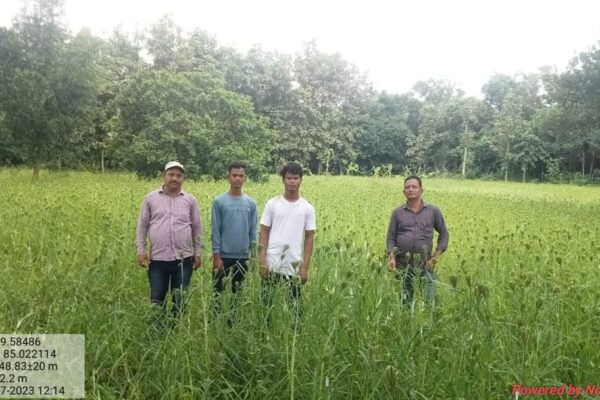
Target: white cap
[{"x": 174, "y": 164}]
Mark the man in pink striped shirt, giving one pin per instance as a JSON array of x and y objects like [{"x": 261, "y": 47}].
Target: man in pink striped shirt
[{"x": 170, "y": 219}]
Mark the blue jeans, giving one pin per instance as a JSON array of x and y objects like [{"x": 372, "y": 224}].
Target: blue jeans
[{"x": 174, "y": 275}]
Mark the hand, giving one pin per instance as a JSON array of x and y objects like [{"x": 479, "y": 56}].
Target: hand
[
  {"x": 262, "y": 259},
  {"x": 142, "y": 260},
  {"x": 264, "y": 270},
  {"x": 303, "y": 275},
  {"x": 430, "y": 264},
  {"x": 217, "y": 261},
  {"x": 197, "y": 262},
  {"x": 392, "y": 263}
]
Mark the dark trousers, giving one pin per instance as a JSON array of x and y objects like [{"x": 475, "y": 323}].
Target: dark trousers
[
  {"x": 268, "y": 287},
  {"x": 407, "y": 275},
  {"x": 173, "y": 275},
  {"x": 409, "y": 266},
  {"x": 236, "y": 268}
]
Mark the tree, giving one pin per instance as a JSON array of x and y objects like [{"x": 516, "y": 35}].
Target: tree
[
  {"x": 516, "y": 102},
  {"x": 382, "y": 137},
  {"x": 509, "y": 126},
  {"x": 434, "y": 144},
  {"x": 169, "y": 48},
  {"x": 267, "y": 79},
  {"x": 470, "y": 117},
  {"x": 331, "y": 96},
  {"x": 191, "y": 117},
  {"x": 576, "y": 94},
  {"x": 48, "y": 84},
  {"x": 420, "y": 144},
  {"x": 8, "y": 150},
  {"x": 497, "y": 88},
  {"x": 120, "y": 60},
  {"x": 436, "y": 91}
]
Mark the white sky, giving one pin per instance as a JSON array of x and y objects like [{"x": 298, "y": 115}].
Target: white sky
[{"x": 396, "y": 42}]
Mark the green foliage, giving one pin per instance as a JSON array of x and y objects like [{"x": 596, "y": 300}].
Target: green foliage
[
  {"x": 47, "y": 82},
  {"x": 190, "y": 117},
  {"x": 81, "y": 102},
  {"x": 576, "y": 96},
  {"x": 352, "y": 169},
  {"x": 8, "y": 150},
  {"x": 330, "y": 96},
  {"x": 382, "y": 137},
  {"x": 553, "y": 170},
  {"x": 168, "y": 47}
]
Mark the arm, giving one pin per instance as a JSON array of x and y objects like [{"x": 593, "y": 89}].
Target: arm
[
  {"x": 442, "y": 242},
  {"x": 253, "y": 226},
  {"x": 265, "y": 231},
  {"x": 309, "y": 240},
  {"x": 391, "y": 241},
  {"x": 141, "y": 232},
  {"x": 197, "y": 230},
  {"x": 216, "y": 234}
]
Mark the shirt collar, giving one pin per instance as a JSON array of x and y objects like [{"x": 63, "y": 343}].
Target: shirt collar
[
  {"x": 181, "y": 192},
  {"x": 406, "y": 207}
]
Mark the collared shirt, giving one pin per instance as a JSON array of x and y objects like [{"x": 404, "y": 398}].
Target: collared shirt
[
  {"x": 173, "y": 225},
  {"x": 412, "y": 232}
]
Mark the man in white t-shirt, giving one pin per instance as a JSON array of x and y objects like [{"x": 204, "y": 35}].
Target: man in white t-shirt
[{"x": 287, "y": 232}]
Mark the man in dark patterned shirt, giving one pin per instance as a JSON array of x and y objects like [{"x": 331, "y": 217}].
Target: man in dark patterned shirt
[{"x": 410, "y": 239}]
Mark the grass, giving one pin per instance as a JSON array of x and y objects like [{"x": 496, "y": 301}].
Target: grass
[{"x": 518, "y": 293}]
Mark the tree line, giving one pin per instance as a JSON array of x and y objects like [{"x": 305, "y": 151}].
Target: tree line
[{"x": 132, "y": 101}]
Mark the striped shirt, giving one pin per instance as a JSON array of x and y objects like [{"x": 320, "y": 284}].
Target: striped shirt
[
  {"x": 413, "y": 232},
  {"x": 173, "y": 225}
]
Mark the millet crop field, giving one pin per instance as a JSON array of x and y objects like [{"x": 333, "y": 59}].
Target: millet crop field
[{"x": 518, "y": 294}]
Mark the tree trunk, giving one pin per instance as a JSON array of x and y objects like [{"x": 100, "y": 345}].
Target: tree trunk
[
  {"x": 506, "y": 162},
  {"x": 542, "y": 176},
  {"x": 583, "y": 162},
  {"x": 102, "y": 160},
  {"x": 464, "y": 164},
  {"x": 36, "y": 170},
  {"x": 592, "y": 162},
  {"x": 524, "y": 168}
]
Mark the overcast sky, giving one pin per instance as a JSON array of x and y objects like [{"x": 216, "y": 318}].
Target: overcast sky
[{"x": 395, "y": 42}]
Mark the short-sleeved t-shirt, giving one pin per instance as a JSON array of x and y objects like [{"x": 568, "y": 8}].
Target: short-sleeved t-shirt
[{"x": 288, "y": 222}]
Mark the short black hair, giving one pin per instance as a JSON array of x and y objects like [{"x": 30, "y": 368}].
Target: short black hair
[
  {"x": 236, "y": 164},
  {"x": 292, "y": 168},
  {"x": 408, "y": 178}
]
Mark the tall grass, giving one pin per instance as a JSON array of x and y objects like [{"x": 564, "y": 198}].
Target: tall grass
[{"x": 518, "y": 294}]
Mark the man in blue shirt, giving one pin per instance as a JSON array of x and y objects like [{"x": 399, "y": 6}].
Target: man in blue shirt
[{"x": 234, "y": 224}]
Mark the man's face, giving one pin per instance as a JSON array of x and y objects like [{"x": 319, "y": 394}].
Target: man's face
[
  {"x": 237, "y": 177},
  {"x": 173, "y": 179},
  {"x": 292, "y": 182},
  {"x": 412, "y": 189}
]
